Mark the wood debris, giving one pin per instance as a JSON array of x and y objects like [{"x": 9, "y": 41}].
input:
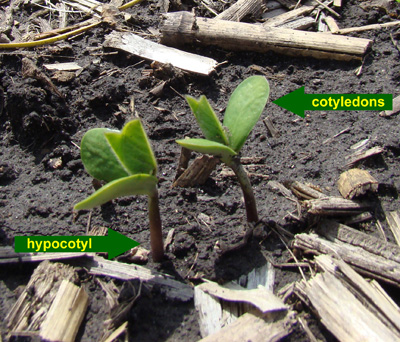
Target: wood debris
[
  {"x": 260, "y": 298},
  {"x": 172, "y": 288},
  {"x": 271, "y": 127},
  {"x": 240, "y": 9},
  {"x": 198, "y": 172},
  {"x": 356, "y": 182},
  {"x": 364, "y": 312},
  {"x": 281, "y": 189},
  {"x": 119, "y": 307},
  {"x": 185, "y": 28},
  {"x": 50, "y": 305},
  {"x": 8, "y": 256},
  {"x": 249, "y": 327},
  {"x": 332, "y": 25},
  {"x": 29, "y": 69},
  {"x": 393, "y": 220},
  {"x": 359, "y": 156},
  {"x": 369, "y": 255},
  {"x": 304, "y": 191},
  {"x": 71, "y": 66},
  {"x": 395, "y": 109},
  {"x": 237, "y": 308},
  {"x": 368, "y": 27},
  {"x": 66, "y": 314},
  {"x": 144, "y": 48},
  {"x": 290, "y": 16}
]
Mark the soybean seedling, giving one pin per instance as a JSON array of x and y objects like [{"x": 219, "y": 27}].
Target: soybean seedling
[
  {"x": 126, "y": 161},
  {"x": 225, "y": 141}
]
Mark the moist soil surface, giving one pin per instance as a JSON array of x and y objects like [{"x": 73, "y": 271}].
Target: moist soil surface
[{"x": 42, "y": 176}]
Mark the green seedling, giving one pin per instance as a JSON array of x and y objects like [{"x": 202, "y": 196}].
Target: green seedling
[
  {"x": 125, "y": 160},
  {"x": 225, "y": 140}
]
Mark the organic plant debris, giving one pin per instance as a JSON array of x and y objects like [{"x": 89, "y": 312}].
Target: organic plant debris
[{"x": 42, "y": 176}]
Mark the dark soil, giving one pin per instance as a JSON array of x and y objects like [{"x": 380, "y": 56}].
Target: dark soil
[{"x": 38, "y": 128}]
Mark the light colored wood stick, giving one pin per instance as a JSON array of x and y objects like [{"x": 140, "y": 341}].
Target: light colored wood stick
[
  {"x": 299, "y": 23},
  {"x": 66, "y": 314},
  {"x": 240, "y": 9},
  {"x": 330, "y": 10},
  {"x": 172, "y": 288},
  {"x": 34, "y": 303},
  {"x": 335, "y": 206},
  {"x": 367, "y": 27},
  {"x": 303, "y": 191},
  {"x": 333, "y": 26},
  {"x": 349, "y": 306},
  {"x": 337, "y": 3},
  {"x": 336, "y": 231},
  {"x": 282, "y": 19},
  {"x": 365, "y": 262},
  {"x": 8, "y": 256},
  {"x": 393, "y": 220},
  {"x": 185, "y": 28},
  {"x": 144, "y": 48},
  {"x": 375, "y": 298}
]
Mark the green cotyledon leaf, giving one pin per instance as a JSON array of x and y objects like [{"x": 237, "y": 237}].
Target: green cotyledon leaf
[
  {"x": 133, "y": 149},
  {"x": 98, "y": 158},
  {"x": 207, "y": 147},
  {"x": 207, "y": 119},
  {"x": 139, "y": 184},
  {"x": 244, "y": 109},
  {"x": 110, "y": 154}
]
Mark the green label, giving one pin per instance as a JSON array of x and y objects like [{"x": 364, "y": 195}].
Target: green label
[
  {"x": 114, "y": 244},
  {"x": 297, "y": 102},
  {"x": 350, "y": 102}
]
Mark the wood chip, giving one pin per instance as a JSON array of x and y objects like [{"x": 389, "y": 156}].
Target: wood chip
[
  {"x": 219, "y": 306},
  {"x": 271, "y": 127},
  {"x": 369, "y": 255},
  {"x": 393, "y": 220},
  {"x": 287, "y": 17},
  {"x": 261, "y": 298},
  {"x": 299, "y": 24},
  {"x": 240, "y": 9},
  {"x": 395, "y": 109},
  {"x": 304, "y": 191},
  {"x": 249, "y": 327},
  {"x": 66, "y": 314},
  {"x": 356, "y": 182},
  {"x": 198, "y": 172},
  {"x": 63, "y": 66},
  {"x": 332, "y": 25},
  {"x": 348, "y": 305},
  {"x": 122, "y": 329},
  {"x": 172, "y": 288},
  {"x": 39, "y": 297},
  {"x": 337, "y": 3},
  {"x": 144, "y": 48},
  {"x": 280, "y": 188},
  {"x": 359, "y": 156}
]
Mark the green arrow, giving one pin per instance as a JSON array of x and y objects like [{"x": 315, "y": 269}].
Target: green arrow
[
  {"x": 114, "y": 244},
  {"x": 297, "y": 102}
]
